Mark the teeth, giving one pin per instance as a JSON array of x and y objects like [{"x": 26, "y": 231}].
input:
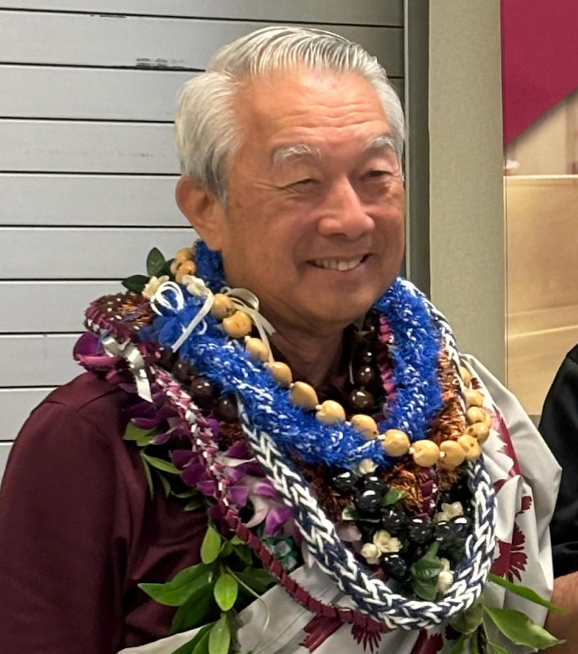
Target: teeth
[{"x": 337, "y": 264}]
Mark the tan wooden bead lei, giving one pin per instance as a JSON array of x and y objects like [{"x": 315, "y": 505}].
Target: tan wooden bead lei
[
  {"x": 257, "y": 349},
  {"x": 175, "y": 265},
  {"x": 184, "y": 254},
  {"x": 475, "y": 414},
  {"x": 365, "y": 425},
  {"x": 304, "y": 395},
  {"x": 222, "y": 306},
  {"x": 330, "y": 413},
  {"x": 425, "y": 453},
  {"x": 466, "y": 376},
  {"x": 238, "y": 325},
  {"x": 470, "y": 446},
  {"x": 480, "y": 431},
  {"x": 186, "y": 268},
  {"x": 474, "y": 398},
  {"x": 452, "y": 455},
  {"x": 395, "y": 442},
  {"x": 281, "y": 373}
]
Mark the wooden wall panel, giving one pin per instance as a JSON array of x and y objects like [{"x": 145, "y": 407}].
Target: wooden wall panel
[
  {"x": 91, "y": 200},
  {"x": 361, "y": 12},
  {"x": 83, "y": 253},
  {"x": 44, "y": 307},
  {"x": 15, "y": 407},
  {"x": 130, "y": 41}
]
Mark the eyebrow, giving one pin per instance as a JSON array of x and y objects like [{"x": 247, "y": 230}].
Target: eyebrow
[
  {"x": 380, "y": 142},
  {"x": 294, "y": 150}
]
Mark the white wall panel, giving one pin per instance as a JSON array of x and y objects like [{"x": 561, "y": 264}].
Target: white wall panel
[
  {"x": 15, "y": 407},
  {"x": 48, "y": 306},
  {"x": 4, "y": 452},
  {"x": 95, "y": 40},
  {"x": 87, "y": 147},
  {"x": 95, "y": 94},
  {"x": 117, "y": 201},
  {"x": 89, "y": 253},
  {"x": 361, "y": 12},
  {"x": 35, "y": 360}
]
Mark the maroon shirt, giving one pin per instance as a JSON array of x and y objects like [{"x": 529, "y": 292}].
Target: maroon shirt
[{"x": 78, "y": 531}]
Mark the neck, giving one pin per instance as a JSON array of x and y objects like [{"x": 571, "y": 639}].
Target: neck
[{"x": 310, "y": 356}]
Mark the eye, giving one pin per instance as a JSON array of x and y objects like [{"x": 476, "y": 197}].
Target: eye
[
  {"x": 303, "y": 182},
  {"x": 376, "y": 174}
]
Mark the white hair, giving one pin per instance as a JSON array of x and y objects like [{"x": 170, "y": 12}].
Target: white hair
[{"x": 206, "y": 131}]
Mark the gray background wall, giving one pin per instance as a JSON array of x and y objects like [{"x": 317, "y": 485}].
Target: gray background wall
[{"x": 87, "y": 169}]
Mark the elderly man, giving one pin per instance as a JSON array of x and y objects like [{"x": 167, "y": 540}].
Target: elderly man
[{"x": 277, "y": 434}]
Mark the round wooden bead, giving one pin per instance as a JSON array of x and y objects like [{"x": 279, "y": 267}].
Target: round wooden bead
[
  {"x": 238, "y": 325},
  {"x": 476, "y": 414},
  {"x": 452, "y": 455},
  {"x": 365, "y": 376},
  {"x": 184, "y": 254},
  {"x": 480, "y": 431},
  {"x": 361, "y": 400},
  {"x": 186, "y": 268},
  {"x": 330, "y": 413},
  {"x": 395, "y": 442},
  {"x": 202, "y": 392},
  {"x": 257, "y": 349},
  {"x": 474, "y": 398},
  {"x": 222, "y": 306},
  {"x": 281, "y": 373},
  {"x": 175, "y": 265},
  {"x": 226, "y": 409},
  {"x": 466, "y": 376},
  {"x": 365, "y": 425},
  {"x": 470, "y": 446},
  {"x": 304, "y": 395},
  {"x": 425, "y": 453}
]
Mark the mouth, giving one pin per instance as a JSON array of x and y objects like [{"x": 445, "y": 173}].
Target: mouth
[{"x": 339, "y": 264}]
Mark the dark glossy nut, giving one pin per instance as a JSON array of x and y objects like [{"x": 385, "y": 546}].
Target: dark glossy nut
[{"x": 344, "y": 481}]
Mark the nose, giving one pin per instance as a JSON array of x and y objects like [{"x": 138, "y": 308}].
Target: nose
[{"x": 343, "y": 212}]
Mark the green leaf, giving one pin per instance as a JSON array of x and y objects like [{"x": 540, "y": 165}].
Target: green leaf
[
  {"x": 155, "y": 263},
  {"x": 244, "y": 554},
  {"x": 425, "y": 589},
  {"x": 351, "y": 513},
  {"x": 165, "y": 483},
  {"x": 226, "y": 591},
  {"x": 255, "y": 581},
  {"x": 474, "y": 649},
  {"x": 237, "y": 540},
  {"x": 135, "y": 282},
  {"x": 468, "y": 621},
  {"x": 161, "y": 464},
  {"x": 425, "y": 569},
  {"x": 226, "y": 550},
  {"x": 189, "y": 648},
  {"x": 194, "y": 611},
  {"x": 392, "y": 496},
  {"x": 220, "y": 636},
  {"x": 194, "y": 504},
  {"x": 520, "y": 629},
  {"x": 211, "y": 545},
  {"x": 142, "y": 437},
  {"x": 498, "y": 649},
  {"x": 524, "y": 591},
  {"x": 191, "y": 492},
  {"x": 147, "y": 472},
  {"x": 458, "y": 646},
  {"x": 177, "y": 591}
]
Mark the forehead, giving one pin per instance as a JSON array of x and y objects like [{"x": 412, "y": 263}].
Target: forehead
[{"x": 317, "y": 107}]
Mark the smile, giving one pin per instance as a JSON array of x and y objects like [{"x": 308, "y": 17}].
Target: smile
[{"x": 341, "y": 265}]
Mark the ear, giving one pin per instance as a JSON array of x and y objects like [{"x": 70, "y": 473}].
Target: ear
[{"x": 202, "y": 209}]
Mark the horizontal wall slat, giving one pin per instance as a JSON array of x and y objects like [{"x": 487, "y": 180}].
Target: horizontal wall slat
[
  {"x": 48, "y": 306},
  {"x": 93, "y": 94},
  {"x": 89, "y": 200},
  {"x": 37, "y": 360},
  {"x": 370, "y": 12},
  {"x": 112, "y": 41},
  {"x": 87, "y": 147},
  {"x": 4, "y": 452},
  {"x": 85, "y": 253},
  {"x": 15, "y": 407}
]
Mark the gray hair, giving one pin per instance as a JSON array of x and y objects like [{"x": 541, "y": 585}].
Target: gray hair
[{"x": 206, "y": 132}]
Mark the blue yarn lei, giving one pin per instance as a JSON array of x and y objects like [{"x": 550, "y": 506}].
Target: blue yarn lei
[{"x": 414, "y": 351}]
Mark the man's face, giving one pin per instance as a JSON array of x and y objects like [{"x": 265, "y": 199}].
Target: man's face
[{"x": 314, "y": 223}]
